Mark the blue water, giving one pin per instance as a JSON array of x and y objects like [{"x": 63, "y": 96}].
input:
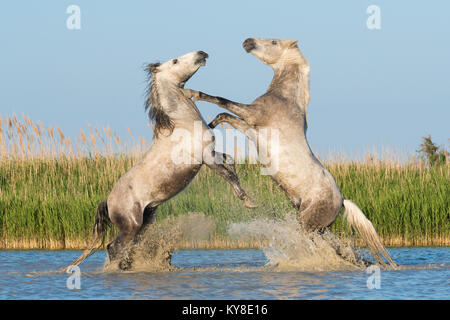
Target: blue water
[{"x": 221, "y": 274}]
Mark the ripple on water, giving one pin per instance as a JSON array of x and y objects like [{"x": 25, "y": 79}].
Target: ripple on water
[{"x": 221, "y": 274}]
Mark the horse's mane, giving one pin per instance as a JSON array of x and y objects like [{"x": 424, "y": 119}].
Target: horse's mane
[{"x": 153, "y": 103}]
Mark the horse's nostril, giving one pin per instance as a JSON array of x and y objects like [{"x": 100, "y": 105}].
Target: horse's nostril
[
  {"x": 249, "y": 44},
  {"x": 203, "y": 54}
]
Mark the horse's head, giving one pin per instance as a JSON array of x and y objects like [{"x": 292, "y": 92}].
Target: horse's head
[
  {"x": 180, "y": 69},
  {"x": 274, "y": 51},
  {"x": 163, "y": 76}
]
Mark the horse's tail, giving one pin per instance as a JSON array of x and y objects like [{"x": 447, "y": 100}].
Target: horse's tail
[
  {"x": 357, "y": 220},
  {"x": 101, "y": 223}
]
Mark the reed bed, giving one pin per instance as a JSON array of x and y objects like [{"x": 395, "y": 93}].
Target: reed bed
[{"x": 50, "y": 186}]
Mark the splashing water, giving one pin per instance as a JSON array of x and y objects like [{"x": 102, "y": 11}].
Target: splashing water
[
  {"x": 195, "y": 226},
  {"x": 153, "y": 250},
  {"x": 292, "y": 248}
]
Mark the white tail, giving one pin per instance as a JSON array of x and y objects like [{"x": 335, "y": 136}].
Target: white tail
[{"x": 357, "y": 220}]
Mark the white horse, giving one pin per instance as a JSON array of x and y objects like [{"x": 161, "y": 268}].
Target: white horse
[
  {"x": 283, "y": 108},
  {"x": 156, "y": 178}
]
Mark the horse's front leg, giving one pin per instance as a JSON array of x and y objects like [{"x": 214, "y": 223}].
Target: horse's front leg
[
  {"x": 244, "y": 111},
  {"x": 189, "y": 93},
  {"x": 236, "y": 123},
  {"x": 214, "y": 162}
]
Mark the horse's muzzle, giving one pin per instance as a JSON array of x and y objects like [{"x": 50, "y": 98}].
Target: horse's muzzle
[
  {"x": 249, "y": 44},
  {"x": 203, "y": 54},
  {"x": 201, "y": 57}
]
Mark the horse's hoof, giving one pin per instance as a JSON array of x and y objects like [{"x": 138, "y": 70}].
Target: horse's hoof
[{"x": 248, "y": 203}]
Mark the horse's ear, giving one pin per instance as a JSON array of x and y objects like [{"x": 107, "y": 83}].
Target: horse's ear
[
  {"x": 153, "y": 67},
  {"x": 293, "y": 44}
]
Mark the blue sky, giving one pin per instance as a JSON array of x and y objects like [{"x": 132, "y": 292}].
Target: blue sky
[{"x": 369, "y": 88}]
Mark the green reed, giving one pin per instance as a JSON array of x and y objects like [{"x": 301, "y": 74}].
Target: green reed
[
  {"x": 50, "y": 186},
  {"x": 56, "y": 200}
]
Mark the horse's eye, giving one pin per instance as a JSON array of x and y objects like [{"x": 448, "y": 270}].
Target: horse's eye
[
  {"x": 274, "y": 42},
  {"x": 175, "y": 61}
]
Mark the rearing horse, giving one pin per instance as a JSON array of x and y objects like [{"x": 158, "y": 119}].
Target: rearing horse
[
  {"x": 283, "y": 108},
  {"x": 156, "y": 178}
]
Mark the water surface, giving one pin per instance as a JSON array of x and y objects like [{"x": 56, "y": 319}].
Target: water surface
[{"x": 221, "y": 274}]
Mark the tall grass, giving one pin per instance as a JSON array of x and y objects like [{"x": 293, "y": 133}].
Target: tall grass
[{"x": 50, "y": 186}]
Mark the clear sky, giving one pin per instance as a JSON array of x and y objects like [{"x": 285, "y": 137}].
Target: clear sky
[{"x": 381, "y": 88}]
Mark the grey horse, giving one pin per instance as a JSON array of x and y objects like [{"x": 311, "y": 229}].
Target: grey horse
[
  {"x": 283, "y": 108},
  {"x": 160, "y": 174}
]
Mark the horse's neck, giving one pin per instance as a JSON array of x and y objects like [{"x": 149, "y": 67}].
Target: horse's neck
[
  {"x": 165, "y": 91},
  {"x": 291, "y": 81},
  {"x": 171, "y": 101}
]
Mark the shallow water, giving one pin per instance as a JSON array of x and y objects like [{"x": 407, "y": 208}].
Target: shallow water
[{"x": 221, "y": 274}]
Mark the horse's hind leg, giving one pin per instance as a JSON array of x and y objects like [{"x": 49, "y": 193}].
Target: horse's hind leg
[
  {"x": 128, "y": 226},
  {"x": 133, "y": 237},
  {"x": 231, "y": 177},
  {"x": 148, "y": 217},
  {"x": 116, "y": 250}
]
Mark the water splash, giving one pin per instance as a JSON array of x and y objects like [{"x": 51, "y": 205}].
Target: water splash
[
  {"x": 292, "y": 248},
  {"x": 153, "y": 250},
  {"x": 195, "y": 226}
]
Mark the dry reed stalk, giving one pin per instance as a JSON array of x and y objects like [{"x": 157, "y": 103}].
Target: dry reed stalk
[{"x": 214, "y": 243}]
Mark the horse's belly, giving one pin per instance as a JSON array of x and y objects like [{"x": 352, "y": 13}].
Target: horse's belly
[
  {"x": 151, "y": 184},
  {"x": 305, "y": 179},
  {"x": 171, "y": 184}
]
